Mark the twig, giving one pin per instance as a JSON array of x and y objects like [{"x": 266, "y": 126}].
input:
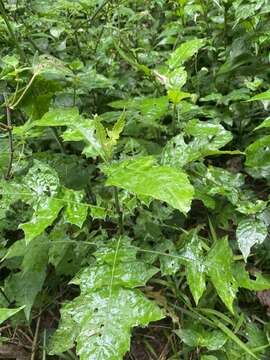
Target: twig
[
  {"x": 34, "y": 346},
  {"x": 10, "y": 142}
]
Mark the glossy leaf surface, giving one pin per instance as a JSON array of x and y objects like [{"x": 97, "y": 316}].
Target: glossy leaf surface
[
  {"x": 250, "y": 232},
  {"x": 101, "y": 318},
  {"x": 143, "y": 177},
  {"x": 219, "y": 263}
]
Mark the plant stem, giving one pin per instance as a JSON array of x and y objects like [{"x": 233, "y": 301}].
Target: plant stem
[
  {"x": 34, "y": 346},
  {"x": 119, "y": 211},
  {"x": 10, "y": 30},
  {"x": 10, "y": 143},
  {"x": 58, "y": 139},
  {"x": 4, "y": 126},
  {"x": 13, "y": 106},
  {"x": 5, "y": 296}
]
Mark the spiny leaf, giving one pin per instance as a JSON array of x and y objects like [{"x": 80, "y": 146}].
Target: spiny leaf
[
  {"x": 101, "y": 318},
  {"x": 117, "y": 128},
  {"x": 143, "y": 176}
]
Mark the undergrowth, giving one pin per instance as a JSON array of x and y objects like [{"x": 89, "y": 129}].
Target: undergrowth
[{"x": 135, "y": 168}]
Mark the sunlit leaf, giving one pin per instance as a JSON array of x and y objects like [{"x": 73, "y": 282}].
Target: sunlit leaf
[
  {"x": 143, "y": 176},
  {"x": 250, "y": 232},
  {"x": 264, "y": 124},
  {"x": 185, "y": 51},
  {"x": 265, "y": 96}
]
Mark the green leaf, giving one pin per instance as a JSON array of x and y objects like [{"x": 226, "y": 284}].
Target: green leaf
[
  {"x": 264, "y": 124},
  {"x": 185, "y": 52},
  {"x": 219, "y": 268},
  {"x": 250, "y": 232},
  {"x": 75, "y": 211},
  {"x": 151, "y": 109},
  {"x": 59, "y": 117},
  {"x": 143, "y": 176},
  {"x": 243, "y": 279},
  {"x": 41, "y": 179},
  {"x": 208, "y": 357},
  {"x": 258, "y": 157},
  {"x": 265, "y": 96},
  {"x": 208, "y": 138},
  {"x": 84, "y": 130},
  {"x": 24, "y": 286},
  {"x": 7, "y": 313},
  {"x": 218, "y": 181},
  {"x": 92, "y": 80},
  {"x": 195, "y": 267},
  {"x": 118, "y": 127},
  {"x": 215, "y": 133},
  {"x": 46, "y": 212},
  {"x": 51, "y": 68},
  {"x": 101, "y": 318},
  {"x": 171, "y": 261},
  {"x": 196, "y": 336}
]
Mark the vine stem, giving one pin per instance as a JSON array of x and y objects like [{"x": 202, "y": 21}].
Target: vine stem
[{"x": 119, "y": 211}]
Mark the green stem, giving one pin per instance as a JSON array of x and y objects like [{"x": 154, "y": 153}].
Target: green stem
[
  {"x": 10, "y": 143},
  {"x": 58, "y": 139},
  {"x": 5, "y": 296},
  {"x": 119, "y": 211},
  {"x": 13, "y": 106}
]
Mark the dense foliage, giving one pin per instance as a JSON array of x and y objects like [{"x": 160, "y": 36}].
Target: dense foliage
[{"x": 135, "y": 170}]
